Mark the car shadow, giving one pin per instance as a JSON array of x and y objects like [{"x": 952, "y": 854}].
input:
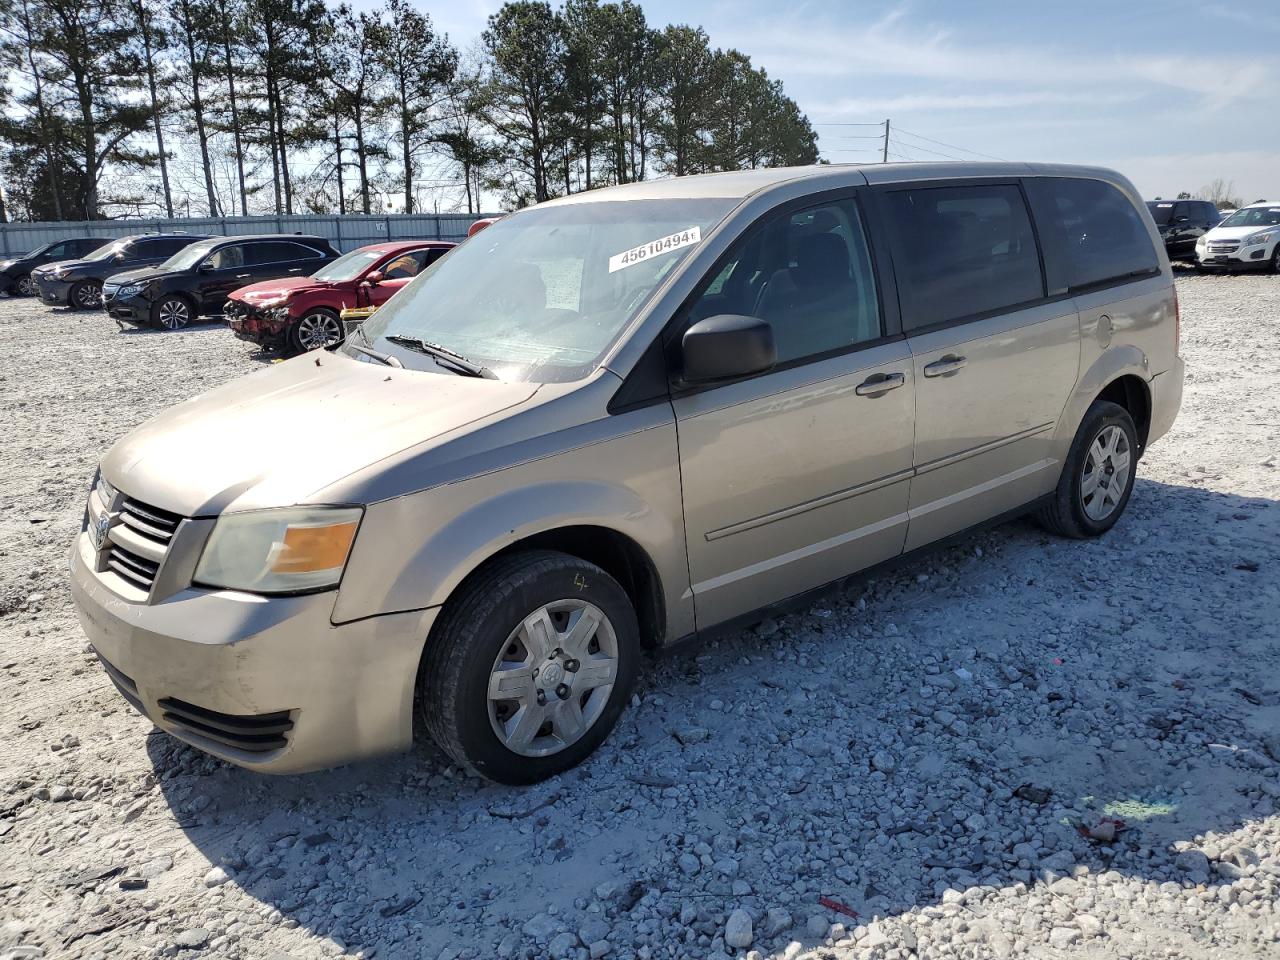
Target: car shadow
[{"x": 1016, "y": 755}]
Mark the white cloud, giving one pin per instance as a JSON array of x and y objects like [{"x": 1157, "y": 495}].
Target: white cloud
[{"x": 962, "y": 101}]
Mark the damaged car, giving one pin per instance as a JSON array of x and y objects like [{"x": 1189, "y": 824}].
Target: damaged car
[{"x": 298, "y": 314}]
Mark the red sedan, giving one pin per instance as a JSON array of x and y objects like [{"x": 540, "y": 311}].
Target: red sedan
[{"x": 298, "y": 314}]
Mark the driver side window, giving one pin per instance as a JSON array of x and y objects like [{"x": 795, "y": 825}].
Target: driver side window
[
  {"x": 226, "y": 258},
  {"x": 808, "y": 274}
]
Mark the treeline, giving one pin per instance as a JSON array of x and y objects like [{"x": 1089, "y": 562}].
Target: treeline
[{"x": 224, "y": 107}]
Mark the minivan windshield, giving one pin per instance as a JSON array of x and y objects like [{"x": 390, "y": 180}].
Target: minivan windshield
[
  {"x": 189, "y": 256},
  {"x": 542, "y": 294},
  {"x": 348, "y": 266},
  {"x": 1254, "y": 217}
]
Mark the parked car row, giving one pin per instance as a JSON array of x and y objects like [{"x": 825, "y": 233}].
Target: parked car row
[
  {"x": 282, "y": 292},
  {"x": 1248, "y": 238}
]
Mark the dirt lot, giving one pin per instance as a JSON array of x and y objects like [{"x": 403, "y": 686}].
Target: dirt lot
[{"x": 944, "y": 751}]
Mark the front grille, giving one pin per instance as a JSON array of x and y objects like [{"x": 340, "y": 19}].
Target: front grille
[
  {"x": 138, "y": 570},
  {"x": 128, "y": 689},
  {"x": 1224, "y": 246},
  {"x": 253, "y": 733},
  {"x": 138, "y": 544}
]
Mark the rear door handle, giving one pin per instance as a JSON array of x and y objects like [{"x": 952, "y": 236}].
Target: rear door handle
[
  {"x": 879, "y": 383},
  {"x": 946, "y": 366}
]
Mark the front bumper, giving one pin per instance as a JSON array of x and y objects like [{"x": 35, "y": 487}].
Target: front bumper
[
  {"x": 56, "y": 293},
  {"x": 267, "y": 683},
  {"x": 1233, "y": 256},
  {"x": 135, "y": 310},
  {"x": 250, "y": 326}
]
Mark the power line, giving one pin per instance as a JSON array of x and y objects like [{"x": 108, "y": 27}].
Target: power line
[
  {"x": 950, "y": 146},
  {"x": 916, "y": 146}
]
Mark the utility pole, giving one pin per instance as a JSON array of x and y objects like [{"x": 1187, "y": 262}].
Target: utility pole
[{"x": 884, "y": 157}]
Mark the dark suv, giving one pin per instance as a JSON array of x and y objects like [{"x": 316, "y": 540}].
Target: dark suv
[
  {"x": 78, "y": 283},
  {"x": 1182, "y": 223},
  {"x": 15, "y": 273},
  {"x": 196, "y": 281}
]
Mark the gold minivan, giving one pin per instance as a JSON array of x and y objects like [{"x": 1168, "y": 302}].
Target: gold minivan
[{"x": 616, "y": 421}]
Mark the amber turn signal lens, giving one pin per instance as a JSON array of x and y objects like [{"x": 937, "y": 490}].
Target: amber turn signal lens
[{"x": 309, "y": 549}]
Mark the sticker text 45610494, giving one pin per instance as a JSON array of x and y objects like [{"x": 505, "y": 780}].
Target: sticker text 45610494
[{"x": 654, "y": 248}]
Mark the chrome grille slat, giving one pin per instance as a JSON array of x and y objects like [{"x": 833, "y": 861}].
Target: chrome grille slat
[{"x": 139, "y": 542}]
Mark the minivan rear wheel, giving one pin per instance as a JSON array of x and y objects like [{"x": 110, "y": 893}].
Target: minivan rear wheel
[
  {"x": 530, "y": 666},
  {"x": 1097, "y": 478}
]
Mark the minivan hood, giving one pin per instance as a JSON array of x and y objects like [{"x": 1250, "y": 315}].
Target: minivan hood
[{"x": 278, "y": 436}]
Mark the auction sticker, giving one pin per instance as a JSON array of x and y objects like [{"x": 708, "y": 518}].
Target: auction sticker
[{"x": 654, "y": 248}]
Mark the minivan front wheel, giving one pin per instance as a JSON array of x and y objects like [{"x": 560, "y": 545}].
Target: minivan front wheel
[
  {"x": 1097, "y": 478},
  {"x": 529, "y": 668}
]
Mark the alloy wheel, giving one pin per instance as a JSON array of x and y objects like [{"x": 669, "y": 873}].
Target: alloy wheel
[
  {"x": 26, "y": 286},
  {"x": 1106, "y": 473},
  {"x": 88, "y": 295},
  {"x": 174, "y": 314},
  {"x": 551, "y": 680},
  {"x": 317, "y": 330}
]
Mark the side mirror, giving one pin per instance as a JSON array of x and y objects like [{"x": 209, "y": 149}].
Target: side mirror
[
  {"x": 373, "y": 278},
  {"x": 727, "y": 346},
  {"x": 206, "y": 267}
]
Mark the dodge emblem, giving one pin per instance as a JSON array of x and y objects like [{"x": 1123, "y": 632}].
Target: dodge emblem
[{"x": 100, "y": 530}]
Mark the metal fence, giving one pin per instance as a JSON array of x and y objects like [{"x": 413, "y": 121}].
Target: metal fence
[{"x": 345, "y": 232}]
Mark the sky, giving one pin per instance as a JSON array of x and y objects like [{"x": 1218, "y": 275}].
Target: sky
[{"x": 1174, "y": 94}]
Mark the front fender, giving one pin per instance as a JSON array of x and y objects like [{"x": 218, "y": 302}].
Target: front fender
[
  {"x": 1117, "y": 362},
  {"x": 413, "y": 551}
]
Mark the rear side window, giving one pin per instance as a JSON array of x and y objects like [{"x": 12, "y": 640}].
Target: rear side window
[
  {"x": 1103, "y": 238},
  {"x": 963, "y": 252},
  {"x": 281, "y": 251}
]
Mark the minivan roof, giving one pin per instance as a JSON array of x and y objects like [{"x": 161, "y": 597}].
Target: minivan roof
[{"x": 740, "y": 184}]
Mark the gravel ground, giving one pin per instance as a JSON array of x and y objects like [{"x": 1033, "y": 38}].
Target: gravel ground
[{"x": 1021, "y": 747}]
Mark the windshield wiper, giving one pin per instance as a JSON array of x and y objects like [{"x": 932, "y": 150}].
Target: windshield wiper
[
  {"x": 444, "y": 356},
  {"x": 386, "y": 358}
]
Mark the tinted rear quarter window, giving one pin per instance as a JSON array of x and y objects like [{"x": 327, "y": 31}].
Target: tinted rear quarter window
[
  {"x": 963, "y": 251},
  {"x": 1101, "y": 237},
  {"x": 281, "y": 251}
]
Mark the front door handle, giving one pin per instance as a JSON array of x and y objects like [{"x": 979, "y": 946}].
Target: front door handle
[
  {"x": 879, "y": 383},
  {"x": 946, "y": 366},
  {"x": 243, "y": 276}
]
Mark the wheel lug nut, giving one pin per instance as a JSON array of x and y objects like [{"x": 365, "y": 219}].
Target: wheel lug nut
[
  {"x": 562, "y": 691},
  {"x": 572, "y": 665},
  {"x": 542, "y": 698}
]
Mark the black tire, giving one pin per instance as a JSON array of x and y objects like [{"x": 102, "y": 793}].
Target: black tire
[
  {"x": 1066, "y": 513},
  {"x": 475, "y": 626},
  {"x": 172, "y": 313},
  {"x": 294, "y": 337},
  {"x": 1275, "y": 259},
  {"x": 85, "y": 295},
  {"x": 22, "y": 286}
]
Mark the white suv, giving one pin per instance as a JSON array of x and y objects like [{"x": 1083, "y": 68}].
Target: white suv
[{"x": 1250, "y": 237}]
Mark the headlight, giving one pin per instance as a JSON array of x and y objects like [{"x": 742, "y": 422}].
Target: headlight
[
  {"x": 279, "y": 551},
  {"x": 276, "y": 313},
  {"x": 129, "y": 290},
  {"x": 1258, "y": 238},
  {"x": 106, "y": 492},
  {"x": 56, "y": 273}
]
